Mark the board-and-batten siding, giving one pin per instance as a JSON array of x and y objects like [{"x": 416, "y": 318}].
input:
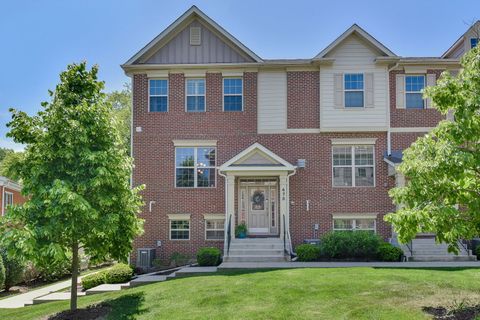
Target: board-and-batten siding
[
  {"x": 353, "y": 56},
  {"x": 272, "y": 102},
  {"x": 211, "y": 50}
]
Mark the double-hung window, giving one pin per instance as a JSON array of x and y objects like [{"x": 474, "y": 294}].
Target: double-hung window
[
  {"x": 158, "y": 95},
  {"x": 7, "y": 200},
  {"x": 354, "y": 92},
  {"x": 413, "y": 92},
  {"x": 361, "y": 224},
  {"x": 232, "y": 94},
  {"x": 473, "y": 42},
  {"x": 195, "y": 95},
  {"x": 179, "y": 229},
  {"x": 195, "y": 167},
  {"x": 214, "y": 229},
  {"x": 353, "y": 166}
]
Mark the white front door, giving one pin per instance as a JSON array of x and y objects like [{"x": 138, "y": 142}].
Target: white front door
[{"x": 258, "y": 210}]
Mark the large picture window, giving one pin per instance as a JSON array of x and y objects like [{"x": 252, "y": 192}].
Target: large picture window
[
  {"x": 195, "y": 95},
  {"x": 179, "y": 229},
  {"x": 354, "y": 90},
  {"x": 195, "y": 167},
  {"x": 158, "y": 95},
  {"x": 413, "y": 92},
  {"x": 366, "y": 224},
  {"x": 353, "y": 166},
  {"x": 232, "y": 94}
]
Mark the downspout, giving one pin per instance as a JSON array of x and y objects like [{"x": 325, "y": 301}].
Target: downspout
[
  {"x": 131, "y": 145},
  {"x": 288, "y": 209},
  {"x": 389, "y": 135}
]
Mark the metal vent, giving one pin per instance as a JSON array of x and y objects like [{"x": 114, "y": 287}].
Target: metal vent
[
  {"x": 145, "y": 258},
  {"x": 301, "y": 163},
  {"x": 195, "y": 36}
]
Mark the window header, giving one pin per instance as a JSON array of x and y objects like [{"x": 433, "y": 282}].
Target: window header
[
  {"x": 195, "y": 143},
  {"x": 354, "y": 141}
]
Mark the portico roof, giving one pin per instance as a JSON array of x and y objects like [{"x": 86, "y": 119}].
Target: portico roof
[{"x": 257, "y": 158}]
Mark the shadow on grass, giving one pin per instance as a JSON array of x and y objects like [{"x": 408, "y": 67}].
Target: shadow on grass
[
  {"x": 429, "y": 268},
  {"x": 126, "y": 307}
]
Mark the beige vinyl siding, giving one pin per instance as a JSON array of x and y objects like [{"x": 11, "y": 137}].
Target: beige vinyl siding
[
  {"x": 354, "y": 56},
  {"x": 272, "y": 102}
]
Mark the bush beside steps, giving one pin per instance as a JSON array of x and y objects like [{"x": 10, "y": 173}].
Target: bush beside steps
[
  {"x": 209, "y": 257},
  {"x": 119, "y": 273}
]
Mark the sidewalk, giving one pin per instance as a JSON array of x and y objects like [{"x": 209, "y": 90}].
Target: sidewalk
[{"x": 283, "y": 265}]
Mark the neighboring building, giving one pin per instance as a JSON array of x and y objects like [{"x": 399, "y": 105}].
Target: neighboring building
[
  {"x": 294, "y": 148},
  {"x": 10, "y": 194}
]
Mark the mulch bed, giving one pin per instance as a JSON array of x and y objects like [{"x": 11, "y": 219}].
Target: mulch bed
[
  {"x": 464, "y": 313},
  {"x": 95, "y": 312}
]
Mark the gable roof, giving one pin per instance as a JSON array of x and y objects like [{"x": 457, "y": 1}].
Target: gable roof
[
  {"x": 277, "y": 163},
  {"x": 461, "y": 39},
  {"x": 360, "y": 32},
  {"x": 191, "y": 13}
]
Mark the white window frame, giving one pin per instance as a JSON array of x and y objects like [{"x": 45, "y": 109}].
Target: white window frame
[
  {"x": 195, "y": 167},
  {"x": 222, "y": 229},
  {"x": 170, "y": 229},
  {"x": 233, "y": 95},
  {"x": 353, "y": 165},
  {"x": 407, "y": 92},
  {"x": 7, "y": 195},
  {"x": 159, "y": 95},
  {"x": 354, "y": 224},
  {"x": 353, "y": 90},
  {"x": 196, "y": 95}
]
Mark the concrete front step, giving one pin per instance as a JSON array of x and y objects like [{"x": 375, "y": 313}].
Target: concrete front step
[
  {"x": 442, "y": 258},
  {"x": 251, "y": 258},
  {"x": 257, "y": 246},
  {"x": 256, "y": 252}
]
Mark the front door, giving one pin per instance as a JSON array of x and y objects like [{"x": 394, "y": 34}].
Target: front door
[{"x": 258, "y": 215}]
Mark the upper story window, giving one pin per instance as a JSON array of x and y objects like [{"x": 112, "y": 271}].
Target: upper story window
[
  {"x": 158, "y": 95},
  {"x": 353, "y": 166},
  {"x": 413, "y": 92},
  {"x": 473, "y": 42},
  {"x": 195, "y": 167},
  {"x": 195, "y": 95},
  {"x": 232, "y": 94},
  {"x": 353, "y": 84}
]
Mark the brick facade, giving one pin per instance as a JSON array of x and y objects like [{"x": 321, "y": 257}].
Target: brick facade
[
  {"x": 411, "y": 117},
  {"x": 303, "y": 99},
  {"x": 17, "y": 197}
]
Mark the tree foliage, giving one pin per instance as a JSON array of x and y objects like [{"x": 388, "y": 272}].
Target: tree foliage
[
  {"x": 4, "y": 152},
  {"x": 121, "y": 102},
  {"x": 76, "y": 173},
  {"x": 443, "y": 168},
  {"x": 8, "y": 166}
]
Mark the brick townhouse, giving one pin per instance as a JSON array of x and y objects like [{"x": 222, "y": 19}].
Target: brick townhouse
[
  {"x": 10, "y": 194},
  {"x": 292, "y": 148}
]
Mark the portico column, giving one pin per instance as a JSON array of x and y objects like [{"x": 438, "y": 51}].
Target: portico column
[
  {"x": 283, "y": 204},
  {"x": 231, "y": 203}
]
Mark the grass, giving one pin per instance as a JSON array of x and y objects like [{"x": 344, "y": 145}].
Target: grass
[{"x": 341, "y": 293}]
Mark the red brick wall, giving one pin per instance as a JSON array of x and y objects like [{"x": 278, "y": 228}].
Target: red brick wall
[
  {"x": 411, "y": 117},
  {"x": 403, "y": 140},
  {"x": 17, "y": 197},
  {"x": 303, "y": 99}
]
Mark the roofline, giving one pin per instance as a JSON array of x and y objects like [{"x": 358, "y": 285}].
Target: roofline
[
  {"x": 355, "y": 28},
  {"x": 6, "y": 182},
  {"x": 459, "y": 40},
  {"x": 192, "y": 11}
]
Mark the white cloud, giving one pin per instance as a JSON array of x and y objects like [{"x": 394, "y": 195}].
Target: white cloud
[{"x": 11, "y": 145}]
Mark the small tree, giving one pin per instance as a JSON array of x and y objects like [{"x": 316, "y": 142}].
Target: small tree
[
  {"x": 76, "y": 173},
  {"x": 443, "y": 168},
  {"x": 13, "y": 269},
  {"x": 122, "y": 108}
]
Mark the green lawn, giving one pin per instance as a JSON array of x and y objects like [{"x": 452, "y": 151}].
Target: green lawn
[{"x": 342, "y": 293}]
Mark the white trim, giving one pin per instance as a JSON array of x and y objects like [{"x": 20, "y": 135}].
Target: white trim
[
  {"x": 192, "y": 12},
  {"x": 415, "y": 70},
  {"x": 415, "y": 92},
  {"x": 256, "y": 146},
  {"x": 232, "y": 74},
  {"x": 354, "y": 141},
  {"x": 195, "y": 167},
  {"x": 195, "y": 73},
  {"x": 214, "y": 216},
  {"x": 4, "y": 181},
  {"x": 354, "y": 129},
  {"x": 353, "y": 90},
  {"x": 223, "y": 229},
  {"x": 304, "y": 130},
  {"x": 411, "y": 129},
  {"x": 354, "y": 227},
  {"x": 162, "y": 95},
  {"x": 179, "y": 216},
  {"x": 354, "y": 215},
  {"x": 194, "y": 143},
  {"x": 355, "y": 29},
  {"x": 204, "y": 95},
  {"x": 234, "y": 95},
  {"x": 353, "y": 166},
  {"x": 4, "y": 197},
  {"x": 157, "y": 74},
  {"x": 170, "y": 229}
]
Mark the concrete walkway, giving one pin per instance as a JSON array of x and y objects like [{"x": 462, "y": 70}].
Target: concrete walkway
[{"x": 283, "y": 265}]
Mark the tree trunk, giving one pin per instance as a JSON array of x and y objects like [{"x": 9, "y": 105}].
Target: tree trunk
[{"x": 73, "y": 289}]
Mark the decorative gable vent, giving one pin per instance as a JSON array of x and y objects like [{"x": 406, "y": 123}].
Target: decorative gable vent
[{"x": 195, "y": 36}]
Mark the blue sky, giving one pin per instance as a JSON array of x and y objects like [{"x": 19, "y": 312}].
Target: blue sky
[{"x": 39, "y": 38}]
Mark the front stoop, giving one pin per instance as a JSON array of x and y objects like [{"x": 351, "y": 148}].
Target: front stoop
[
  {"x": 256, "y": 250},
  {"x": 426, "y": 249}
]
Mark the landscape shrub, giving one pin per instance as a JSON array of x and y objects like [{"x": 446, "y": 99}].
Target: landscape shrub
[
  {"x": 477, "y": 252},
  {"x": 13, "y": 270},
  {"x": 357, "y": 245},
  {"x": 209, "y": 256},
  {"x": 388, "y": 252},
  {"x": 178, "y": 259},
  {"x": 119, "y": 273},
  {"x": 308, "y": 252},
  {"x": 2, "y": 273},
  {"x": 55, "y": 270},
  {"x": 93, "y": 280}
]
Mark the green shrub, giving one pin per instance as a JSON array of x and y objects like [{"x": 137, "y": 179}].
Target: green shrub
[
  {"x": 308, "y": 252},
  {"x": 2, "y": 273},
  {"x": 477, "y": 251},
  {"x": 178, "y": 259},
  {"x": 119, "y": 273},
  {"x": 93, "y": 280},
  {"x": 209, "y": 256},
  {"x": 55, "y": 270},
  {"x": 388, "y": 252},
  {"x": 13, "y": 270},
  {"x": 357, "y": 245}
]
